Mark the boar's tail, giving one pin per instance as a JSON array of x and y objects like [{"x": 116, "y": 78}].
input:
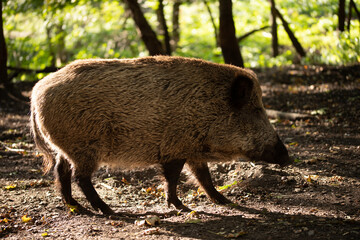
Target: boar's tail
[{"x": 42, "y": 146}]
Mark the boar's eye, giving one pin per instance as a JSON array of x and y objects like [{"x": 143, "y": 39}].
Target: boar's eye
[{"x": 241, "y": 90}]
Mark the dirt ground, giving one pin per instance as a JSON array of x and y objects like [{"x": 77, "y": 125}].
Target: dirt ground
[{"x": 318, "y": 197}]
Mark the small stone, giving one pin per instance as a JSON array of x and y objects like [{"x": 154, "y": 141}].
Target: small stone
[{"x": 311, "y": 232}]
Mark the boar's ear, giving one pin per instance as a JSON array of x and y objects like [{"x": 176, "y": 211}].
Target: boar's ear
[{"x": 241, "y": 90}]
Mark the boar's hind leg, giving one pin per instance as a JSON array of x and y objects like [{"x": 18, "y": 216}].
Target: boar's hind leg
[
  {"x": 202, "y": 174},
  {"x": 85, "y": 165},
  {"x": 91, "y": 195},
  {"x": 62, "y": 172},
  {"x": 171, "y": 171}
]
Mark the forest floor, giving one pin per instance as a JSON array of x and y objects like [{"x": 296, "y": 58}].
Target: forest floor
[{"x": 317, "y": 197}]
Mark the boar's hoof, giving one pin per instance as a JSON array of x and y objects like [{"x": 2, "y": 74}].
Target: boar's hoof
[
  {"x": 178, "y": 205},
  {"x": 288, "y": 162},
  {"x": 103, "y": 207},
  {"x": 107, "y": 210},
  {"x": 233, "y": 205},
  {"x": 220, "y": 199},
  {"x": 183, "y": 208}
]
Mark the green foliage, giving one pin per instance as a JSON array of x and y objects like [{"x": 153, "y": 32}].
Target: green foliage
[{"x": 40, "y": 33}]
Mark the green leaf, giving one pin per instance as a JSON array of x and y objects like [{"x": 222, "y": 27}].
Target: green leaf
[{"x": 220, "y": 188}]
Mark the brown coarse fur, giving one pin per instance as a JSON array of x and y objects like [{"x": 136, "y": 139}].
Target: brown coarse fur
[{"x": 147, "y": 111}]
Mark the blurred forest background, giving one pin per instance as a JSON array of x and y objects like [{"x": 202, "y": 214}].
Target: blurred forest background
[
  {"x": 306, "y": 54},
  {"x": 43, "y": 35}
]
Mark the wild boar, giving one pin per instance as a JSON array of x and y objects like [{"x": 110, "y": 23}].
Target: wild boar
[{"x": 164, "y": 111}]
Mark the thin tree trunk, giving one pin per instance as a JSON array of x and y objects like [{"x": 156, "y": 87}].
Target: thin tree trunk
[
  {"x": 50, "y": 47},
  {"x": 228, "y": 42},
  {"x": 60, "y": 43},
  {"x": 164, "y": 28},
  {"x": 175, "y": 24},
  {"x": 275, "y": 41},
  {"x": 213, "y": 23},
  {"x": 147, "y": 34},
  {"x": 349, "y": 16},
  {"x": 352, "y": 5},
  {"x": 355, "y": 8},
  {"x": 341, "y": 15},
  {"x": 295, "y": 42}
]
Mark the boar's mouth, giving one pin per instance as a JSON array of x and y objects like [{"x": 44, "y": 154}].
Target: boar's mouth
[{"x": 277, "y": 154}]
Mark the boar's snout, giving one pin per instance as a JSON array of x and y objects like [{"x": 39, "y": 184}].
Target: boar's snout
[{"x": 277, "y": 154}]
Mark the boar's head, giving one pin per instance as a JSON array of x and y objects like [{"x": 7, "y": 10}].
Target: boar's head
[{"x": 244, "y": 129}]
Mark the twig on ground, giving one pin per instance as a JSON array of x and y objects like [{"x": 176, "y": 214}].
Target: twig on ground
[{"x": 286, "y": 115}]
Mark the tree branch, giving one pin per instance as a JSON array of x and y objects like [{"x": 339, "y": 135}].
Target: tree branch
[
  {"x": 27, "y": 70},
  {"x": 18, "y": 70},
  {"x": 212, "y": 22},
  {"x": 242, "y": 37}
]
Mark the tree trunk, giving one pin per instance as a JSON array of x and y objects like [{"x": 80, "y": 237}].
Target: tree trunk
[
  {"x": 3, "y": 54},
  {"x": 213, "y": 23},
  {"x": 275, "y": 42},
  {"x": 295, "y": 42},
  {"x": 228, "y": 42},
  {"x": 147, "y": 34},
  {"x": 341, "y": 15},
  {"x": 10, "y": 89},
  {"x": 175, "y": 24},
  {"x": 163, "y": 27}
]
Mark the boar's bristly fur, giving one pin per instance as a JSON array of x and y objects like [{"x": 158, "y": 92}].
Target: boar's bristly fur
[{"x": 164, "y": 111}]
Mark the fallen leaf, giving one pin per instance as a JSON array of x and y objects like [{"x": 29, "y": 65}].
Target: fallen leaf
[
  {"x": 336, "y": 178},
  {"x": 193, "y": 221},
  {"x": 221, "y": 188},
  {"x": 310, "y": 178},
  {"x": 10, "y": 187},
  {"x": 5, "y": 220},
  {"x": 140, "y": 223},
  {"x": 152, "y": 221},
  {"x": 295, "y": 144},
  {"x": 73, "y": 208},
  {"x": 192, "y": 214},
  {"x": 26, "y": 219},
  {"x": 235, "y": 235},
  {"x": 124, "y": 181},
  {"x": 151, "y": 231}
]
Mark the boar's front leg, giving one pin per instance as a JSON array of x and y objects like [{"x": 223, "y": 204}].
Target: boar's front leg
[
  {"x": 202, "y": 174},
  {"x": 171, "y": 171}
]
